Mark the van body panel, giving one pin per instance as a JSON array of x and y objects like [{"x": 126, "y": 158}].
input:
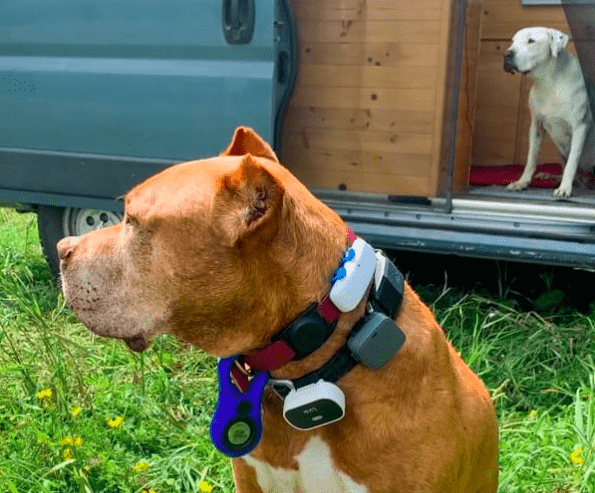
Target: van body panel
[{"x": 116, "y": 78}]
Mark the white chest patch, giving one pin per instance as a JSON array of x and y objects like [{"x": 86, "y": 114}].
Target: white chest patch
[{"x": 316, "y": 473}]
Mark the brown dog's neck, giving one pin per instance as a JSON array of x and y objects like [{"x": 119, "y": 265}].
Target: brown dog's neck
[
  {"x": 288, "y": 353},
  {"x": 318, "y": 358}
]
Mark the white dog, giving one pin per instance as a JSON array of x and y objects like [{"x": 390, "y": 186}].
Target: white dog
[{"x": 558, "y": 102}]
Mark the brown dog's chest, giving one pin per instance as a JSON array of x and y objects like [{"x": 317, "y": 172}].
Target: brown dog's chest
[{"x": 316, "y": 473}]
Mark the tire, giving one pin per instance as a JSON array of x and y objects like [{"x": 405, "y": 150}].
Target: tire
[{"x": 55, "y": 223}]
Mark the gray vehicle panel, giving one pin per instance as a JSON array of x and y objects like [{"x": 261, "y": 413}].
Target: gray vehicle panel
[{"x": 99, "y": 77}]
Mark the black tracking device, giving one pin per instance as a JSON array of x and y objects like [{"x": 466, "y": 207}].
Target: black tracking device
[{"x": 376, "y": 341}]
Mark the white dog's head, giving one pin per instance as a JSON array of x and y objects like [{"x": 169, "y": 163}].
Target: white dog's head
[{"x": 532, "y": 47}]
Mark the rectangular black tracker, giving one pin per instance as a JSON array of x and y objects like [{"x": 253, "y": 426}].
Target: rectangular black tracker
[{"x": 376, "y": 342}]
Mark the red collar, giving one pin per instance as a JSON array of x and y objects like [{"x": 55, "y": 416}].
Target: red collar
[{"x": 279, "y": 353}]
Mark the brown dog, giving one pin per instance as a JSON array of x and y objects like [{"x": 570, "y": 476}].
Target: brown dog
[{"x": 223, "y": 253}]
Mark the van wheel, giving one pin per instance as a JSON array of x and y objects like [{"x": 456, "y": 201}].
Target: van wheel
[{"x": 55, "y": 223}]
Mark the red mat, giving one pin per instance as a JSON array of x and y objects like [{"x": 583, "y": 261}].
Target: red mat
[{"x": 548, "y": 175}]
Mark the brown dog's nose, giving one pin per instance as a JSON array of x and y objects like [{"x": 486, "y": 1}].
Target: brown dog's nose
[{"x": 66, "y": 246}]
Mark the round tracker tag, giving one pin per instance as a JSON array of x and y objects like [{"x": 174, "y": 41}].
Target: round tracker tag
[{"x": 236, "y": 426}]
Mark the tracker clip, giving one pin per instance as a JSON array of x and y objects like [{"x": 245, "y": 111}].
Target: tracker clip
[
  {"x": 388, "y": 286},
  {"x": 236, "y": 426}
]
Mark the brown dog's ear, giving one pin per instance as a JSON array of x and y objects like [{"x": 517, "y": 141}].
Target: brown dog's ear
[
  {"x": 249, "y": 202},
  {"x": 247, "y": 141}
]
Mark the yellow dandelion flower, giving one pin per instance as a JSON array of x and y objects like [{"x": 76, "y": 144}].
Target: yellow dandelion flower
[
  {"x": 575, "y": 456},
  {"x": 44, "y": 394},
  {"x": 67, "y": 441},
  {"x": 76, "y": 411},
  {"x": 141, "y": 467},
  {"x": 115, "y": 422},
  {"x": 204, "y": 486},
  {"x": 67, "y": 454},
  {"x": 78, "y": 442}
]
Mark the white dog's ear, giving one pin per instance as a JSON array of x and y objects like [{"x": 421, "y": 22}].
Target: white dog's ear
[{"x": 558, "y": 41}]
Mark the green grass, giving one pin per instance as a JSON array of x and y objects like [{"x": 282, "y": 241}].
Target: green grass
[
  {"x": 541, "y": 372},
  {"x": 165, "y": 396}
]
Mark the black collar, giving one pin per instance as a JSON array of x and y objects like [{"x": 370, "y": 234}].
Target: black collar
[{"x": 385, "y": 297}]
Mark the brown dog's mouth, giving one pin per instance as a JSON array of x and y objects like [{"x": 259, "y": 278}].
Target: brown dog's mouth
[{"x": 137, "y": 344}]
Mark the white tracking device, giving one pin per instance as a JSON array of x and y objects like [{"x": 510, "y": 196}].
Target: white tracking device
[
  {"x": 314, "y": 405},
  {"x": 353, "y": 277}
]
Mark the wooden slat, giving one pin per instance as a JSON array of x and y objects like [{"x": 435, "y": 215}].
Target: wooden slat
[
  {"x": 376, "y": 162},
  {"x": 501, "y": 131},
  {"x": 370, "y": 31},
  {"x": 506, "y": 30},
  {"x": 444, "y": 83},
  {"x": 501, "y": 149},
  {"x": 391, "y": 142},
  {"x": 363, "y": 182},
  {"x": 491, "y": 55},
  {"x": 387, "y": 54},
  {"x": 523, "y": 120},
  {"x": 497, "y": 114},
  {"x": 347, "y": 97},
  {"x": 467, "y": 111},
  {"x": 298, "y": 118},
  {"x": 498, "y": 88},
  {"x": 370, "y": 9},
  {"x": 503, "y": 18},
  {"x": 408, "y": 77},
  {"x": 495, "y": 139}
]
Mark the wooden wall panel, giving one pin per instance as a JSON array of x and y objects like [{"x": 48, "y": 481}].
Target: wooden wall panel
[
  {"x": 503, "y": 18},
  {"x": 407, "y": 77},
  {"x": 495, "y": 136},
  {"x": 359, "y": 10},
  {"x": 370, "y": 31},
  {"x": 365, "y": 141},
  {"x": 377, "y": 120},
  {"x": 367, "y": 110},
  {"x": 364, "y": 97},
  {"x": 467, "y": 109},
  {"x": 388, "y": 54}
]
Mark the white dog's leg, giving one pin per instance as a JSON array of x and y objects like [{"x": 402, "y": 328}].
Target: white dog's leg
[
  {"x": 535, "y": 135},
  {"x": 577, "y": 142}
]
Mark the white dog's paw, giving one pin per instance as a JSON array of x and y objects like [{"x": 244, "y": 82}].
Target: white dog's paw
[
  {"x": 563, "y": 192},
  {"x": 518, "y": 185}
]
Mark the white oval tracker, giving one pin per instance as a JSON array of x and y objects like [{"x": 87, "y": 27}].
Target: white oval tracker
[{"x": 314, "y": 405}]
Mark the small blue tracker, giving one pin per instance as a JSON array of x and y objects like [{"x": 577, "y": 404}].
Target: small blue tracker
[{"x": 236, "y": 426}]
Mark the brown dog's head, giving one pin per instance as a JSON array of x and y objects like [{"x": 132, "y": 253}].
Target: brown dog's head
[{"x": 221, "y": 252}]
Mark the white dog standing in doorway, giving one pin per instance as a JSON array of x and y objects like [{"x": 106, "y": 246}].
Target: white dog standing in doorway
[{"x": 558, "y": 101}]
